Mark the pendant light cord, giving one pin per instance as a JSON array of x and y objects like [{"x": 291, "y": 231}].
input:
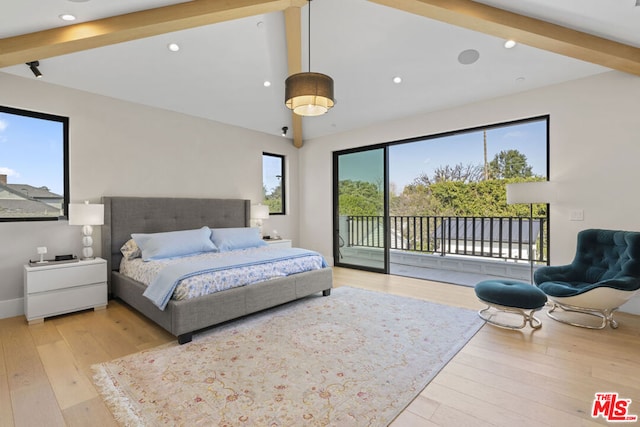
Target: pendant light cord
[{"x": 309, "y": 38}]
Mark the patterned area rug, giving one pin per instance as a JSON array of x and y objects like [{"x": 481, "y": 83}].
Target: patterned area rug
[{"x": 355, "y": 358}]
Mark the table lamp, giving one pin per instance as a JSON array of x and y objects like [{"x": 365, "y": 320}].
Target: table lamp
[
  {"x": 87, "y": 215},
  {"x": 259, "y": 213}
]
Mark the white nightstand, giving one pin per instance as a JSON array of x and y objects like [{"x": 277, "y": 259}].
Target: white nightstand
[
  {"x": 280, "y": 243},
  {"x": 55, "y": 289}
]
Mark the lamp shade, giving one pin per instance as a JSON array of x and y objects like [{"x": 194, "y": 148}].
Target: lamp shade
[
  {"x": 259, "y": 211},
  {"x": 86, "y": 214},
  {"x": 309, "y": 94},
  {"x": 531, "y": 192}
]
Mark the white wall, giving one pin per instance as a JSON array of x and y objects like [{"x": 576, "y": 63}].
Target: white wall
[
  {"x": 125, "y": 149},
  {"x": 594, "y": 156}
]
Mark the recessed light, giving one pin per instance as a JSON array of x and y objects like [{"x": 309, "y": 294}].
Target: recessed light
[
  {"x": 67, "y": 17},
  {"x": 397, "y": 79},
  {"x": 266, "y": 83},
  {"x": 520, "y": 80},
  {"x": 173, "y": 47},
  {"x": 509, "y": 44}
]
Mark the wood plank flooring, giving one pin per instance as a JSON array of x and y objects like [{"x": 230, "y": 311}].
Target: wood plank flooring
[{"x": 500, "y": 378}]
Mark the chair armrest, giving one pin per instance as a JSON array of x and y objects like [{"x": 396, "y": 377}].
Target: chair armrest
[
  {"x": 624, "y": 283},
  {"x": 559, "y": 273}
]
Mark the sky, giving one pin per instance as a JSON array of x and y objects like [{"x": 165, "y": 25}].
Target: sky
[
  {"x": 271, "y": 172},
  {"x": 31, "y": 151},
  {"x": 410, "y": 160}
]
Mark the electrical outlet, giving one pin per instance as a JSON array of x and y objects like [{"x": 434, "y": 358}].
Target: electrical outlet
[{"x": 577, "y": 215}]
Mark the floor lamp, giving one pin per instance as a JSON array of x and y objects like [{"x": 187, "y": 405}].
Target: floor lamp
[{"x": 531, "y": 193}]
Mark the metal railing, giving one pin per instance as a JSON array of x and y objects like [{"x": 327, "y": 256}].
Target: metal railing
[{"x": 492, "y": 237}]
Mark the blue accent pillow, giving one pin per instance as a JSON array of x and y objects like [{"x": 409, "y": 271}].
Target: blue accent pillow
[
  {"x": 174, "y": 243},
  {"x": 229, "y": 239}
]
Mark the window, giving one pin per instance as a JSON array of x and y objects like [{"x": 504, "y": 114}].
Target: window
[
  {"x": 441, "y": 195},
  {"x": 34, "y": 172},
  {"x": 273, "y": 183}
]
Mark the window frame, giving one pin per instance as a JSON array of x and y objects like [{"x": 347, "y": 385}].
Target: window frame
[
  {"x": 65, "y": 161},
  {"x": 546, "y": 118},
  {"x": 283, "y": 180}
]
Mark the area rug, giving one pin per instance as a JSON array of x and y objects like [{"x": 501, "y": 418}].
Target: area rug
[{"x": 355, "y": 358}]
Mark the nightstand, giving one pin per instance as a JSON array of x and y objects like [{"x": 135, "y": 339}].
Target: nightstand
[
  {"x": 280, "y": 243},
  {"x": 55, "y": 289}
]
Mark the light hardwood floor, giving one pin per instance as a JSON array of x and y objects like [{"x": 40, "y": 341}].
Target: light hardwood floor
[{"x": 500, "y": 378}]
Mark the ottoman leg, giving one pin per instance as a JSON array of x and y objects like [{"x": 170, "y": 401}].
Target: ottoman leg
[{"x": 527, "y": 317}]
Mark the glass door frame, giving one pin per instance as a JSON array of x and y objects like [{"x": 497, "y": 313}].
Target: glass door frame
[{"x": 336, "y": 211}]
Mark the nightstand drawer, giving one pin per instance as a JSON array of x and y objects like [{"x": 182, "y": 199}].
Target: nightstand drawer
[
  {"x": 64, "y": 301},
  {"x": 280, "y": 243},
  {"x": 76, "y": 274}
]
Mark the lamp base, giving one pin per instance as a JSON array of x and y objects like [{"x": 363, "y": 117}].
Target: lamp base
[{"x": 87, "y": 242}]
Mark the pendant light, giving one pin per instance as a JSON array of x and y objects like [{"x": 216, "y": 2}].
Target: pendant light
[{"x": 309, "y": 94}]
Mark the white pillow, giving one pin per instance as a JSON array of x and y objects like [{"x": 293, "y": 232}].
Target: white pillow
[
  {"x": 130, "y": 250},
  {"x": 229, "y": 239},
  {"x": 174, "y": 243}
]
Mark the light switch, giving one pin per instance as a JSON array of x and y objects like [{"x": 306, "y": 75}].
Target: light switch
[{"x": 577, "y": 215}]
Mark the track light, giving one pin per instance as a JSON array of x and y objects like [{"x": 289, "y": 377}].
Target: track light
[
  {"x": 284, "y": 130},
  {"x": 33, "y": 65}
]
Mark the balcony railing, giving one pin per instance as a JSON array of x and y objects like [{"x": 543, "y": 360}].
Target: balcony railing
[{"x": 491, "y": 237}]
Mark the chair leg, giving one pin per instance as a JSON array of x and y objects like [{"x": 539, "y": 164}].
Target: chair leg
[
  {"x": 605, "y": 315},
  {"x": 529, "y": 317}
]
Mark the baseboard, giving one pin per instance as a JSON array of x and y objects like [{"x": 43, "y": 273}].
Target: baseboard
[{"x": 11, "y": 308}]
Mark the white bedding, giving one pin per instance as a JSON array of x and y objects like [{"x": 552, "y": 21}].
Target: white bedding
[{"x": 207, "y": 283}]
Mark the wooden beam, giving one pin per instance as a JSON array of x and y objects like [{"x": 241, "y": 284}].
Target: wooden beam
[
  {"x": 293, "y": 31},
  {"x": 523, "y": 29},
  {"x": 131, "y": 26}
]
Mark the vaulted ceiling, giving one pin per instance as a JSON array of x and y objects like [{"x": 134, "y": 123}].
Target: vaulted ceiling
[{"x": 228, "y": 49}]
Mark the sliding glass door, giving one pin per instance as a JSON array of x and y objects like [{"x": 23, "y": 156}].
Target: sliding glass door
[
  {"x": 402, "y": 207},
  {"x": 360, "y": 231}
]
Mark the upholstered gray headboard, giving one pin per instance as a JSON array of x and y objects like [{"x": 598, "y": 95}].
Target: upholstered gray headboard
[{"x": 126, "y": 215}]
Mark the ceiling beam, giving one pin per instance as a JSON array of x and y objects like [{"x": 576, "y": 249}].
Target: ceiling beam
[
  {"x": 523, "y": 29},
  {"x": 131, "y": 26},
  {"x": 293, "y": 31}
]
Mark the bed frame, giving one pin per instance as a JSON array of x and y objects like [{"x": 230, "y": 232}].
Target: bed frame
[{"x": 126, "y": 215}]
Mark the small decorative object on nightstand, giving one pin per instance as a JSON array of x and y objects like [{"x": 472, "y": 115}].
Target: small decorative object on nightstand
[
  {"x": 53, "y": 289},
  {"x": 41, "y": 251},
  {"x": 281, "y": 243}
]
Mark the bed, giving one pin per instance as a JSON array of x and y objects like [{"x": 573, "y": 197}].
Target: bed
[{"x": 128, "y": 215}]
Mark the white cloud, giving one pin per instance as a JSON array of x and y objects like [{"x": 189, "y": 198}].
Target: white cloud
[
  {"x": 3, "y": 125},
  {"x": 8, "y": 172}
]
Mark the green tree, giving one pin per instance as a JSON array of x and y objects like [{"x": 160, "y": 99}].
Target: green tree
[
  {"x": 360, "y": 198},
  {"x": 509, "y": 164},
  {"x": 273, "y": 199}
]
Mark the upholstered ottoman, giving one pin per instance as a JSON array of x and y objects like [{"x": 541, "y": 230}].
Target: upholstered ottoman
[{"x": 510, "y": 296}]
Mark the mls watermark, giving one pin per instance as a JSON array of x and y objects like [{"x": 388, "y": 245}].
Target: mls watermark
[{"x": 612, "y": 408}]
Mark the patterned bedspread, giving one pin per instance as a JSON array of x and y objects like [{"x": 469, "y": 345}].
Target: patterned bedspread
[{"x": 220, "y": 280}]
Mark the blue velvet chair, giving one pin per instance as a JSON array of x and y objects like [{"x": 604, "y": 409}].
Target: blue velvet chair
[{"x": 604, "y": 274}]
